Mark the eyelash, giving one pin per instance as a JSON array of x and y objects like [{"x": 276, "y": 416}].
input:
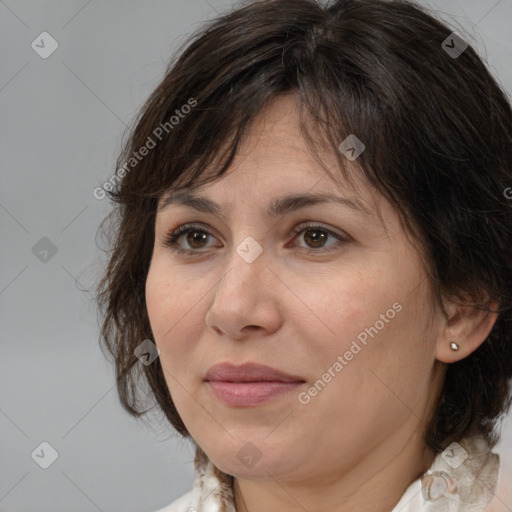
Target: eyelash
[{"x": 172, "y": 238}]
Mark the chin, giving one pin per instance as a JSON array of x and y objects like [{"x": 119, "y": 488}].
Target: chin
[{"x": 248, "y": 462}]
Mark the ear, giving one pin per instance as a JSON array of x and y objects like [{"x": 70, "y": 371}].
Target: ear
[{"x": 468, "y": 327}]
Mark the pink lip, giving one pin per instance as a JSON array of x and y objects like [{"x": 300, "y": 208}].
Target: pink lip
[
  {"x": 249, "y": 393},
  {"x": 249, "y": 372},
  {"x": 249, "y": 384}
]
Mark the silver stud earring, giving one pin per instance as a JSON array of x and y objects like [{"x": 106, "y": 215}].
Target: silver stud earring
[{"x": 454, "y": 346}]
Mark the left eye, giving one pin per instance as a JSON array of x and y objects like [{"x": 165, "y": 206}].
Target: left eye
[{"x": 317, "y": 235}]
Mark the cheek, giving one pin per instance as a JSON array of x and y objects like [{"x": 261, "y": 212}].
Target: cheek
[
  {"x": 167, "y": 312},
  {"x": 167, "y": 294},
  {"x": 371, "y": 322},
  {"x": 158, "y": 298},
  {"x": 336, "y": 310},
  {"x": 165, "y": 305},
  {"x": 176, "y": 311}
]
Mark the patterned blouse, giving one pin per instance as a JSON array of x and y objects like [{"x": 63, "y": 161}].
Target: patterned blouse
[{"x": 462, "y": 478}]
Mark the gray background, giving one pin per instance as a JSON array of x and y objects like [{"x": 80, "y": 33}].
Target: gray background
[{"x": 62, "y": 124}]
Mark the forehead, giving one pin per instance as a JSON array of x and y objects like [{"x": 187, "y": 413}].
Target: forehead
[
  {"x": 275, "y": 163},
  {"x": 277, "y": 207}
]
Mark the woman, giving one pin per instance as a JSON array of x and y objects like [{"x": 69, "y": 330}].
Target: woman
[{"x": 312, "y": 263}]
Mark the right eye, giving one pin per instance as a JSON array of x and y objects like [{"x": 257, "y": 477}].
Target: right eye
[{"x": 172, "y": 238}]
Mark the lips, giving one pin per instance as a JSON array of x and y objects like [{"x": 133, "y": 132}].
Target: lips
[{"x": 248, "y": 372}]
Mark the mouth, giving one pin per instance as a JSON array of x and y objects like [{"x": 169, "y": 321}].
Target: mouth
[
  {"x": 245, "y": 394},
  {"x": 249, "y": 372},
  {"x": 250, "y": 384}
]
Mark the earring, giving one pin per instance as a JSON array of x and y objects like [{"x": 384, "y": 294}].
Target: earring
[{"x": 454, "y": 346}]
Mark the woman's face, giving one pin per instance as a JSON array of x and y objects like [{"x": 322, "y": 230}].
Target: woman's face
[{"x": 341, "y": 305}]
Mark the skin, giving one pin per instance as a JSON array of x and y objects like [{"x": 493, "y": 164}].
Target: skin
[{"x": 357, "y": 444}]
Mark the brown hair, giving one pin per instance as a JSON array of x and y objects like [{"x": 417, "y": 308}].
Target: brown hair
[{"x": 438, "y": 135}]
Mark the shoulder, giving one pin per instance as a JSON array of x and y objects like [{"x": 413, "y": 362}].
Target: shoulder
[
  {"x": 190, "y": 501},
  {"x": 181, "y": 504}
]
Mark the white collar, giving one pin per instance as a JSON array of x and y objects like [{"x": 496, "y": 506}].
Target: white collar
[{"x": 462, "y": 478}]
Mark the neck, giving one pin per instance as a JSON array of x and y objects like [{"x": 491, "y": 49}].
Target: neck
[{"x": 375, "y": 484}]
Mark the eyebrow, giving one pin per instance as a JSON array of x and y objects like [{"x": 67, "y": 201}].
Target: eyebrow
[{"x": 279, "y": 207}]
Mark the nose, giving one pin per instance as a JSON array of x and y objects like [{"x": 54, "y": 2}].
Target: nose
[{"x": 246, "y": 297}]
